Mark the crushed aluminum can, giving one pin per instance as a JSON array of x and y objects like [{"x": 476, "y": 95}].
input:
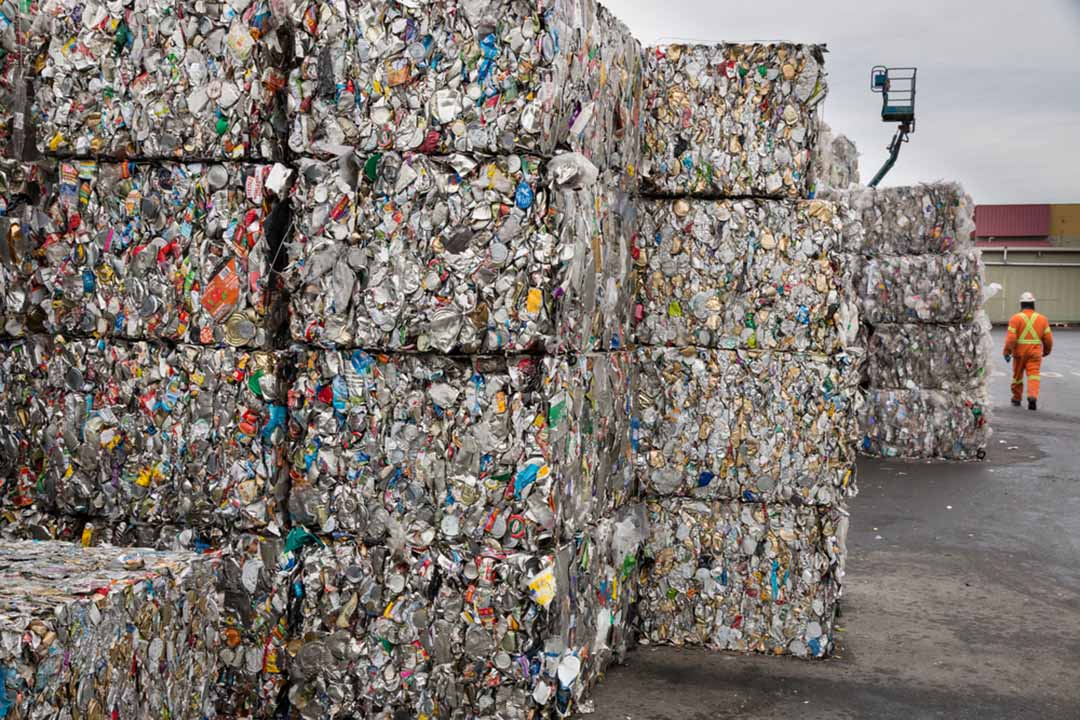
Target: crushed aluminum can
[
  {"x": 749, "y": 425},
  {"x": 460, "y": 629},
  {"x": 750, "y": 577},
  {"x": 24, "y": 227},
  {"x": 500, "y": 255},
  {"x": 836, "y": 162},
  {"x": 160, "y": 79},
  {"x": 927, "y": 219},
  {"x": 921, "y": 288},
  {"x": 730, "y": 120},
  {"x": 741, "y": 274}
]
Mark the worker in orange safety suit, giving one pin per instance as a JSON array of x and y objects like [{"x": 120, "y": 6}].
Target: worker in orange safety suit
[{"x": 1027, "y": 342}]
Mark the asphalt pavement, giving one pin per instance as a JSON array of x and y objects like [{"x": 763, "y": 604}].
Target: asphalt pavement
[{"x": 962, "y": 596}]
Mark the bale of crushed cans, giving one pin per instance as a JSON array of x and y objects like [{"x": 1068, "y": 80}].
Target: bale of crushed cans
[
  {"x": 94, "y": 632},
  {"x": 512, "y": 452},
  {"x": 930, "y": 356},
  {"x": 251, "y": 580},
  {"x": 731, "y": 575},
  {"x": 750, "y": 425},
  {"x": 729, "y": 120},
  {"x": 944, "y": 288},
  {"x": 170, "y": 251},
  {"x": 481, "y": 77},
  {"x": 929, "y": 219},
  {"x": 463, "y": 629},
  {"x": 920, "y": 423},
  {"x": 459, "y": 254},
  {"x": 147, "y": 434},
  {"x": 160, "y": 79},
  {"x": 740, "y": 273}
]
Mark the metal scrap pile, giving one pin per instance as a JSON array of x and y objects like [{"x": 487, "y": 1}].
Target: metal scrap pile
[
  {"x": 143, "y": 366},
  {"x": 919, "y": 282},
  {"x": 460, "y": 274},
  {"x": 333, "y": 303},
  {"x": 744, "y": 417}
]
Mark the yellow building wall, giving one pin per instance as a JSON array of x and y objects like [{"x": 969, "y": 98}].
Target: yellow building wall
[{"x": 1065, "y": 224}]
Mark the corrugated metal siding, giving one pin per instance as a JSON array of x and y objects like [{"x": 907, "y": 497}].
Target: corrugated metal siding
[
  {"x": 1003, "y": 221},
  {"x": 1057, "y": 288}
]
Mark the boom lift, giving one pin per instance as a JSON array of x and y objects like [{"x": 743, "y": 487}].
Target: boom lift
[{"x": 897, "y": 89}]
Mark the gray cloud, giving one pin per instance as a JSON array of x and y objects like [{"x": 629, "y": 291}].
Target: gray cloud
[{"x": 999, "y": 85}]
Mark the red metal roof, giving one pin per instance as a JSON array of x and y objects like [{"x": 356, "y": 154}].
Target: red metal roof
[{"x": 1005, "y": 221}]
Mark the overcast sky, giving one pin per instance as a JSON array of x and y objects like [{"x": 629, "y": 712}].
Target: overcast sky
[{"x": 998, "y": 104}]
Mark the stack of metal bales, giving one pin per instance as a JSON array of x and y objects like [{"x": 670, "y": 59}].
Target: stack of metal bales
[
  {"x": 335, "y": 304},
  {"x": 920, "y": 285},
  {"x": 143, "y": 381},
  {"x": 459, "y": 270},
  {"x": 745, "y": 410}
]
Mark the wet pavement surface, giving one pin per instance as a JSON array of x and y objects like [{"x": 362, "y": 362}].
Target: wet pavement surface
[{"x": 962, "y": 597}]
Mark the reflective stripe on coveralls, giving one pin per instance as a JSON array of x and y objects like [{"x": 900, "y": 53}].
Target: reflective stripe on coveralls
[{"x": 1029, "y": 336}]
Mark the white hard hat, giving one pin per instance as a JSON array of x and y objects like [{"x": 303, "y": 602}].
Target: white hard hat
[{"x": 1027, "y": 297}]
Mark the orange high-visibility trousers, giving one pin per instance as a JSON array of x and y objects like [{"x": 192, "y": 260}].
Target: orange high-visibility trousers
[{"x": 1027, "y": 359}]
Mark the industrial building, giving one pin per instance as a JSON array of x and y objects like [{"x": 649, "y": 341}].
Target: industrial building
[{"x": 1036, "y": 248}]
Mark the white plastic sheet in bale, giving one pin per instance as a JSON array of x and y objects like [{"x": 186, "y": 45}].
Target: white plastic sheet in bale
[
  {"x": 836, "y": 161},
  {"x": 501, "y": 255},
  {"x": 934, "y": 218},
  {"x": 510, "y": 452},
  {"x": 740, "y": 273},
  {"x": 925, "y": 356},
  {"x": 723, "y": 120},
  {"x": 463, "y": 629},
  {"x": 100, "y": 631},
  {"x": 470, "y": 76},
  {"x": 171, "y": 251},
  {"x": 749, "y": 425},
  {"x": 750, "y": 577},
  {"x": 148, "y": 434},
  {"x": 951, "y": 425},
  {"x": 160, "y": 79},
  {"x": 921, "y": 288}
]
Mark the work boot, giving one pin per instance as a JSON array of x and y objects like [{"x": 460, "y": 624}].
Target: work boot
[
  {"x": 1016, "y": 403},
  {"x": 1031, "y": 403}
]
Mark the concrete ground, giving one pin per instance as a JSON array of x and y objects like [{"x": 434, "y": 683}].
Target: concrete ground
[{"x": 962, "y": 597}]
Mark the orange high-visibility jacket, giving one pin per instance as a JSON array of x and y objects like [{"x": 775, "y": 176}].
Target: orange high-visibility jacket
[{"x": 1027, "y": 329}]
